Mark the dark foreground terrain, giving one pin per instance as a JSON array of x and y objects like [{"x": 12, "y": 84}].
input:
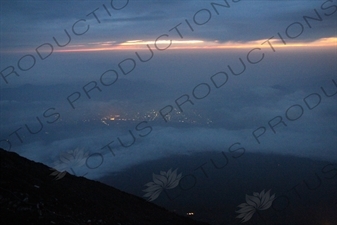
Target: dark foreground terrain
[
  {"x": 214, "y": 184},
  {"x": 29, "y": 195}
]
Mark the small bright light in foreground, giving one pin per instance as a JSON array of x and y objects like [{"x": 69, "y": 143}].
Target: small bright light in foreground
[{"x": 190, "y": 213}]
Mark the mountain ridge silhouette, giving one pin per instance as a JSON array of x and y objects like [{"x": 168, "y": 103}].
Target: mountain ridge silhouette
[{"x": 29, "y": 195}]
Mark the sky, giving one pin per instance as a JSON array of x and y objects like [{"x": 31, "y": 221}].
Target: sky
[{"x": 131, "y": 81}]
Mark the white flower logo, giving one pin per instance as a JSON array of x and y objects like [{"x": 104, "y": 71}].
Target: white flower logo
[
  {"x": 67, "y": 161},
  {"x": 259, "y": 201},
  {"x": 166, "y": 180}
]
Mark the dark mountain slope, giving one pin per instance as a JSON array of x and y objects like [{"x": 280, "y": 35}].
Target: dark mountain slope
[
  {"x": 29, "y": 195},
  {"x": 305, "y": 189}
]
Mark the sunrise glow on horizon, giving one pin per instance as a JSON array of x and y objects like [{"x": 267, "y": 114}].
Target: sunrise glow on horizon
[
  {"x": 133, "y": 45},
  {"x": 199, "y": 44}
]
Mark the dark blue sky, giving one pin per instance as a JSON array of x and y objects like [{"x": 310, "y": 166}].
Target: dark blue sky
[{"x": 27, "y": 24}]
